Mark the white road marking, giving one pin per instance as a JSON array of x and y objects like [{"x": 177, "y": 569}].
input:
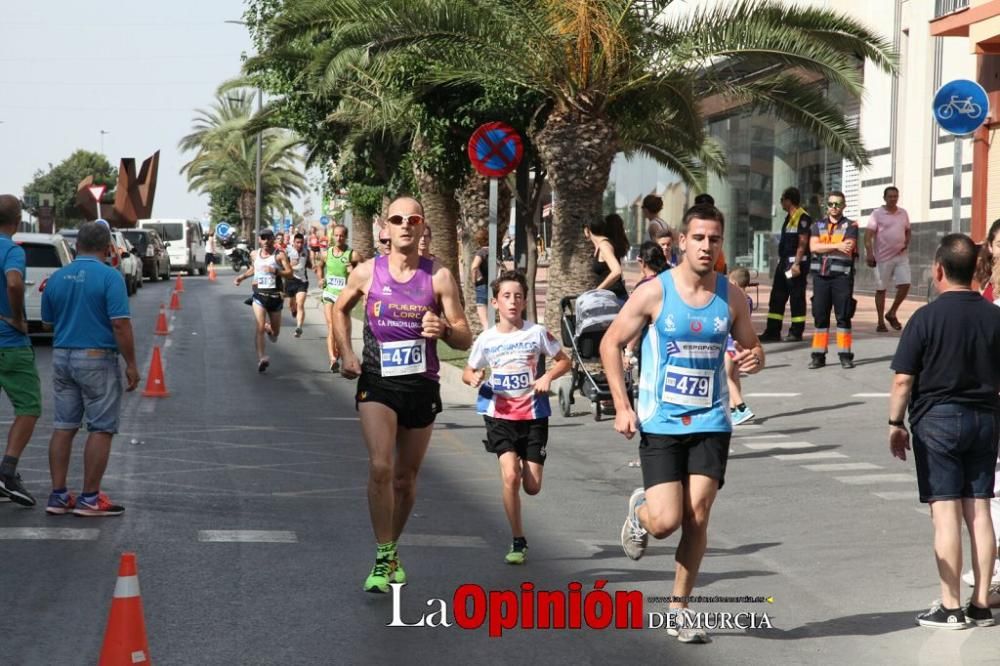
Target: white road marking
[
  {"x": 840, "y": 467},
  {"x": 772, "y": 395},
  {"x": 870, "y": 395},
  {"x": 248, "y": 536},
  {"x": 876, "y": 478},
  {"x": 443, "y": 541},
  {"x": 48, "y": 534},
  {"x": 772, "y": 436},
  {"x": 764, "y": 446},
  {"x": 899, "y": 495},
  {"x": 167, "y": 344},
  {"x": 810, "y": 455}
]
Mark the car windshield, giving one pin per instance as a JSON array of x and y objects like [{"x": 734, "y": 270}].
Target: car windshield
[
  {"x": 38, "y": 255},
  {"x": 169, "y": 231},
  {"x": 137, "y": 238}
]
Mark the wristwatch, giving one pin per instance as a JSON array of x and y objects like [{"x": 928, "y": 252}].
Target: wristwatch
[{"x": 898, "y": 424}]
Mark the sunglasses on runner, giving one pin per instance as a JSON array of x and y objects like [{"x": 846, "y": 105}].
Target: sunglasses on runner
[
  {"x": 412, "y": 220},
  {"x": 383, "y": 241},
  {"x": 835, "y": 204}
]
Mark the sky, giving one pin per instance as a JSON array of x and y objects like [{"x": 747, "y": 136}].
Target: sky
[{"x": 135, "y": 69}]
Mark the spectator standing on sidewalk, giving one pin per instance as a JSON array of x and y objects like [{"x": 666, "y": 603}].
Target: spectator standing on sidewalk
[
  {"x": 18, "y": 375},
  {"x": 85, "y": 302},
  {"x": 832, "y": 243},
  {"x": 948, "y": 378},
  {"x": 652, "y": 205},
  {"x": 789, "y": 284},
  {"x": 887, "y": 238}
]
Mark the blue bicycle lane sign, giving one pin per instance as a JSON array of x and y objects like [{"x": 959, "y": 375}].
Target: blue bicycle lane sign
[{"x": 960, "y": 106}]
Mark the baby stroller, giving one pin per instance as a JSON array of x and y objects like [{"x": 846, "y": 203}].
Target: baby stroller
[{"x": 585, "y": 318}]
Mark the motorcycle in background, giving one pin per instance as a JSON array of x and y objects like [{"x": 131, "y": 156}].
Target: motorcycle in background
[{"x": 236, "y": 249}]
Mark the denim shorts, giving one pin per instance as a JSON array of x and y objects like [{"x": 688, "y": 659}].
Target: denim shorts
[
  {"x": 481, "y": 296},
  {"x": 87, "y": 382},
  {"x": 955, "y": 448}
]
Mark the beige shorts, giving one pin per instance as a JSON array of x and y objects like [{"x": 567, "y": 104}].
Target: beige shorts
[{"x": 895, "y": 270}]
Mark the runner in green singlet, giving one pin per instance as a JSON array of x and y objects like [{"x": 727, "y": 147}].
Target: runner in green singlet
[{"x": 340, "y": 259}]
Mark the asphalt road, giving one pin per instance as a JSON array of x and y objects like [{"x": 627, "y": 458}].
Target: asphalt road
[{"x": 245, "y": 498}]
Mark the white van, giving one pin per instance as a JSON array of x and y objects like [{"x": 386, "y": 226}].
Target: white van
[
  {"x": 44, "y": 255},
  {"x": 185, "y": 243}
]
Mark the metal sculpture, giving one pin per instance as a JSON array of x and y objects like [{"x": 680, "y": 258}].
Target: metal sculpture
[{"x": 133, "y": 195}]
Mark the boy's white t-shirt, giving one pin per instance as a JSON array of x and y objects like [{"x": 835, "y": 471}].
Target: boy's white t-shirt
[{"x": 514, "y": 362}]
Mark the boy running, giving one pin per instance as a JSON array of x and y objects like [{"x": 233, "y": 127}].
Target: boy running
[{"x": 515, "y": 402}]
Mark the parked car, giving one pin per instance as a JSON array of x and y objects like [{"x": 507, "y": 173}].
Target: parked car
[
  {"x": 69, "y": 235},
  {"x": 152, "y": 252},
  {"x": 123, "y": 259},
  {"x": 185, "y": 243},
  {"x": 44, "y": 255}
]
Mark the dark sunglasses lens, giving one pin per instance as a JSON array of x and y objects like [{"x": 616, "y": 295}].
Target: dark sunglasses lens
[
  {"x": 396, "y": 219},
  {"x": 383, "y": 241}
]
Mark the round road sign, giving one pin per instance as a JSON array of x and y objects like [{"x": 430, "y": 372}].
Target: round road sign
[
  {"x": 495, "y": 149},
  {"x": 960, "y": 106}
]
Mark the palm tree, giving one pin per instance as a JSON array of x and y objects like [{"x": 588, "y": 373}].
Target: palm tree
[
  {"x": 226, "y": 157},
  {"x": 615, "y": 75}
]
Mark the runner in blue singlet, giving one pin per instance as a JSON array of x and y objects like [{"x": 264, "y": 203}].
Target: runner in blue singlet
[{"x": 683, "y": 407}]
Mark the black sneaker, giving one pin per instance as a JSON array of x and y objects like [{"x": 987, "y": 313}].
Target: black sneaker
[
  {"x": 818, "y": 361},
  {"x": 793, "y": 337},
  {"x": 769, "y": 337},
  {"x": 942, "y": 618},
  {"x": 981, "y": 617},
  {"x": 847, "y": 361},
  {"x": 12, "y": 488}
]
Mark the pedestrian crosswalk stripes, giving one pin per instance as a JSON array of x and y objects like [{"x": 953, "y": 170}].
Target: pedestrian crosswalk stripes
[
  {"x": 808, "y": 455},
  {"x": 771, "y": 395},
  {"x": 248, "y": 536},
  {"x": 48, "y": 534},
  {"x": 870, "y": 395},
  {"x": 876, "y": 478},
  {"x": 764, "y": 446},
  {"x": 898, "y": 495},
  {"x": 841, "y": 467}
]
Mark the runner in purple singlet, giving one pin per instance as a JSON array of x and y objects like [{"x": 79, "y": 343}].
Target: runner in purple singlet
[{"x": 410, "y": 303}]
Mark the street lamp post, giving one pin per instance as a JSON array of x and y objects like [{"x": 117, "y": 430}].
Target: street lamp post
[
  {"x": 258, "y": 201},
  {"x": 103, "y": 132}
]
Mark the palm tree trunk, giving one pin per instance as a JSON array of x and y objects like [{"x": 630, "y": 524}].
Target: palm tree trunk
[
  {"x": 361, "y": 233},
  {"x": 577, "y": 152},
  {"x": 440, "y": 212},
  {"x": 474, "y": 203},
  {"x": 247, "y": 203}
]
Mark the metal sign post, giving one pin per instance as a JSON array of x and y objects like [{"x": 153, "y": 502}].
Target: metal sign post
[
  {"x": 495, "y": 150},
  {"x": 960, "y": 107}
]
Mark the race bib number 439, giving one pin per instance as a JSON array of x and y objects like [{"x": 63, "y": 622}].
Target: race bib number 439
[
  {"x": 513, "y": 382},
  {"x": 691, "y": 387},
  {"x": 404, "y": 357}
]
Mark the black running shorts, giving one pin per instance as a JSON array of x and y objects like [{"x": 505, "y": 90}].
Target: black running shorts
[
  {"x": 526, "y": 438},
  {"x": 294, "y": 286},
  {"x": 667, "y": 458},
  {"x": 415, "y": 408},
  {"x": 272, "y": 302}
]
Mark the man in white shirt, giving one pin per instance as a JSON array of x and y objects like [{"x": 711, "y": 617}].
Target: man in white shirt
[{"x": 887, "y": 238}]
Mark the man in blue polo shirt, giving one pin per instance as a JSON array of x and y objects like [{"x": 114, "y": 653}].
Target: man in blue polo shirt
[
  {"x": 18, "y": 376},
  {"x": 87, "y": 304}
]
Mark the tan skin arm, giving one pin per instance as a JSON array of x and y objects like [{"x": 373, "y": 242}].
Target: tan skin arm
[
  {"x": 354, "y": 291},
  {"x": 800, "y": 253},
  {"x": 285, "y": 269},
  {"x": 477, "y": 261},
  {"x": 749, "y": 354},
  {"x": 818, "y": 247},
  {"x": 452, "y": 327},
  {"x": 15, "y": 296},
  {"x": 899, "y": 436},
  {"x": 642, "y": 307},
  {"x": 607, "y": 254},
  {"x": 122, "y": 329}
]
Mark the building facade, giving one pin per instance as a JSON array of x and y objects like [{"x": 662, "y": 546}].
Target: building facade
[{"x": 907, "y": 147}]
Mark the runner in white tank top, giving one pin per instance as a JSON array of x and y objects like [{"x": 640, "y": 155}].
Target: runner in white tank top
[{"x": 267, "y": 266}]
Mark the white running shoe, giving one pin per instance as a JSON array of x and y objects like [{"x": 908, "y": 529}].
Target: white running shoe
[
  {"x": 684, "y": 627},
  {"x": 633, "y": 536},
  {"x": 969, "y": 579}
]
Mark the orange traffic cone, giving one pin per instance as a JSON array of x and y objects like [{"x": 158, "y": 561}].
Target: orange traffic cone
[
  {"x": 125, "y": 642},
  {"x": 179, "y": 287},
  {"x": 175, "y": 301},
  {"x": 161, "y": 321},
  {"x": 156, "y": 385},
  {"x": 211, "y": 272}
]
